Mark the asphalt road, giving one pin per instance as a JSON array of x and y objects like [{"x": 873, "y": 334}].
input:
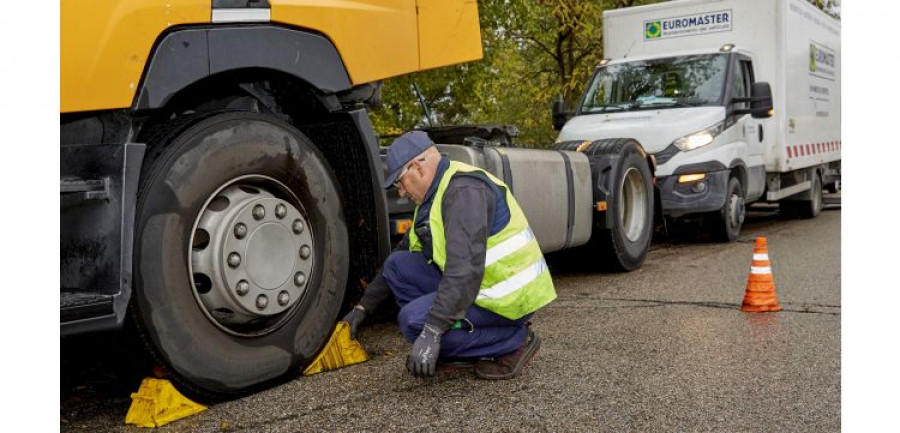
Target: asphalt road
[{"x": 664, "y": 348}]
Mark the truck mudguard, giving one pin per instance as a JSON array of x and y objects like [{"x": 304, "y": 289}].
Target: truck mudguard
[
  {"x": 98, "y": 187},
  {"x": 185, "y": 56}
]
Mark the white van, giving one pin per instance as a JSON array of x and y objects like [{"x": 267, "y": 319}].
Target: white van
[{"x": 737, "y": 101}]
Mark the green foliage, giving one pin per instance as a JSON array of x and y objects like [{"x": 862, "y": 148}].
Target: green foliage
[
  {"x": 830, "y": 7},
  {"x": 534, "y": 52}
]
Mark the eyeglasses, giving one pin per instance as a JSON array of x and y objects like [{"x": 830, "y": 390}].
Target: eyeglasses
[
  {"x": 400, "y": 178},
  {"x": 402, "y": 173}
]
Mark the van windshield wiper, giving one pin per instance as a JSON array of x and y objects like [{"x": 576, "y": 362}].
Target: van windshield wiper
[
  {"x": 604, "y": 108},
  {"x": 655, "y": 104}
]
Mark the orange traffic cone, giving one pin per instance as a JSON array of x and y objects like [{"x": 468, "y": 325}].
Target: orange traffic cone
[{"x": 760, "y": 296}]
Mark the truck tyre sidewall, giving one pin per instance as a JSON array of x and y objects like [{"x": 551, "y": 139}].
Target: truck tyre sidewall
[
  {"x": 629, "y": 254},
  {"x": 198, "y": 354}
]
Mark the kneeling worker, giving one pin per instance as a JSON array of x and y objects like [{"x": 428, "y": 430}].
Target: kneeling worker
[{"x": 468, "y": 275}]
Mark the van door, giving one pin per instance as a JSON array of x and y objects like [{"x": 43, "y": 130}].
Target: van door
[{"x": 753, "y": 131}]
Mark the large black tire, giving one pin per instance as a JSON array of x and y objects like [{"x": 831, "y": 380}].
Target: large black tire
[
  {"x": 626, "y": 241},
  {"x": 188, "y": 163},
  {"x": 806, "y": 208},
  {"x": 725, "y": 225}
]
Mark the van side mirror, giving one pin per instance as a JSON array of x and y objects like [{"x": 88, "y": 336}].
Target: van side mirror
[
  {"x": 760, "y": 101},
  {"x": 560, "y": 116}
]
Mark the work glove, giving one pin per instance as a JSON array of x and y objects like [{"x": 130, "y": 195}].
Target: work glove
[
  {"x": 355, "y": 317},
  {"x": 422, "y": 359}
]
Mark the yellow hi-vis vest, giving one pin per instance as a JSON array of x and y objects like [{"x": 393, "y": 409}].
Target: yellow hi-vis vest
[{"x": 516, "y": 279}]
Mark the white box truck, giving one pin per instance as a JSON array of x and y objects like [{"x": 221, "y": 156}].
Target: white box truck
[{"x": 737, "y": 101}]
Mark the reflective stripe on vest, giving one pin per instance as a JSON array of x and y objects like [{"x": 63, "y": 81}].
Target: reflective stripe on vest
[
  {"x": 516, "y": 280},
  {"x": 508, "y": 246}
]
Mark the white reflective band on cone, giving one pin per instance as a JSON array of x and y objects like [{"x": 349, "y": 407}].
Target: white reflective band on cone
[
  {"x": 760, "y": 270},
  {"x": 762, "y": 256},
  {"x": 514, "y": 282},
  {"x": 508, "y": 246}
]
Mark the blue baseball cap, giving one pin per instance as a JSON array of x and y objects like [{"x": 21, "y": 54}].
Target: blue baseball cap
[{"x": 403, "y": 150}]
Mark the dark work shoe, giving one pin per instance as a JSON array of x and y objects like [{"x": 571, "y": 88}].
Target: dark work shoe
[
  {"x": 449, "y": 364},
  {"x": 511, "y": 364}
]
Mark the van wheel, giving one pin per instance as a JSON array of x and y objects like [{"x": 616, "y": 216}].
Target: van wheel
[
  {"x": 812, "y": 207},
  {"x": 241, "y": 252},
  {"x": 726, "y": 223},
  {"x": 805, "y": 208}
]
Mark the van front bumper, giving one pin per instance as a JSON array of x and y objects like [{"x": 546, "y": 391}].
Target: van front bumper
[{"x": 704, "y": 195}]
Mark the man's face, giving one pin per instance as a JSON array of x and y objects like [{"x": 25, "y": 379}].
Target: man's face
[{"x": 414, "y": 180}]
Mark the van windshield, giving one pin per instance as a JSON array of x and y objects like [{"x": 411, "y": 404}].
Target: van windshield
[{"x": 686, "y": 81}]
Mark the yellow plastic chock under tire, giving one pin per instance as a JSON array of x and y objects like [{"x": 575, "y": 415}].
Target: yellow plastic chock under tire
[
  {"x": 340, "y": 351},
  {"x": 157, "y": 402}
]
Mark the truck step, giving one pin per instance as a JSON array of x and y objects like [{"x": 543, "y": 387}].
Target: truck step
[
  {"x": 74, "y": 191},
  {"x": 80, "y": 305}
]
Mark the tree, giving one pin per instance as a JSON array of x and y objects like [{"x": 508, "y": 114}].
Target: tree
[
  {"x": 534, "y": 52},
  {"x": 830, "y": 7}
]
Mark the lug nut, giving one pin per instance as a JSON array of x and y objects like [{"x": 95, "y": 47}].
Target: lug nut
[
  {"x": 280, "y": 211},
  {"x": 283, "y": 298},
  {"x": 298, "y": 227},
  {"x": 234, "y": 260},
  {"x": 304, "y": 252},
  {"x": 261, "y": 302},
  {"x": 240, "y": 230},
  {"x": 243, "y": 287},
  {"x": 259, "y": 212},
  {"x": 299, "y": 279}
]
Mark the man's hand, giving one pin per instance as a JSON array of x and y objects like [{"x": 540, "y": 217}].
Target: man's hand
[
  {"x": 354, "y": 318},
  {"x": 422, "y": 359}
]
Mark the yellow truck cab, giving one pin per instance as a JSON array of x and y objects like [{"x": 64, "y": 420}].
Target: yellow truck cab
[{"x": 219, "y": 176}]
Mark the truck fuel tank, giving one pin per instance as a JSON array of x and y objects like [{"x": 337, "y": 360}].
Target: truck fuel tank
[{"x": 553, "y": 188}]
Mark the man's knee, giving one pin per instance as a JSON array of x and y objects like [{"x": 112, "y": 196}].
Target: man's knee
[
  {"x": 390, "y": 270},
  {"x": 398, "y": 264},
  {"x": 412, "y": 316}
]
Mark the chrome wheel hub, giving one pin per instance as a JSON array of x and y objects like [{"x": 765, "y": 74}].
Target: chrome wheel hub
[{"x": 251, "y": 255}]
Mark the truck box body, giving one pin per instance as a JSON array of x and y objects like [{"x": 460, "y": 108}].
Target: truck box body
[{"x": 796, "y": 48}]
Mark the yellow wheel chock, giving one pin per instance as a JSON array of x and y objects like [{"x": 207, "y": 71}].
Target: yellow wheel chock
[
  {"x": 157, "y": 402},
  {"x": 340, "y": 351}
]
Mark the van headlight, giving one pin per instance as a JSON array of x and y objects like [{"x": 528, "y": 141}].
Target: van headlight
[{"x": 700, "y": 138}]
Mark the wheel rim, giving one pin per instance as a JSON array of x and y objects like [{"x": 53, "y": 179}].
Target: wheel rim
[
  {"x": 632, "y": 211},
  {"x": 736, "y": 211},
  {"x": 252, "y": 255}
]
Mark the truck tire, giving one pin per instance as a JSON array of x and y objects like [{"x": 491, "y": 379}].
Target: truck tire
[
  {"x": 241, "y": 252},
  {"x": 725, "y": 225},
  {"x": 627, "y": 241},
  {"x": 621, "y": 177}
]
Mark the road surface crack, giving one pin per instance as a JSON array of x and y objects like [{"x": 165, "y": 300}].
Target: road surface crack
[{"x": 655, "y": 303}]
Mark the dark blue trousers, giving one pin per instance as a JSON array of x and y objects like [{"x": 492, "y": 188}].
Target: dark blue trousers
[{"x": 414, "y": 283}]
